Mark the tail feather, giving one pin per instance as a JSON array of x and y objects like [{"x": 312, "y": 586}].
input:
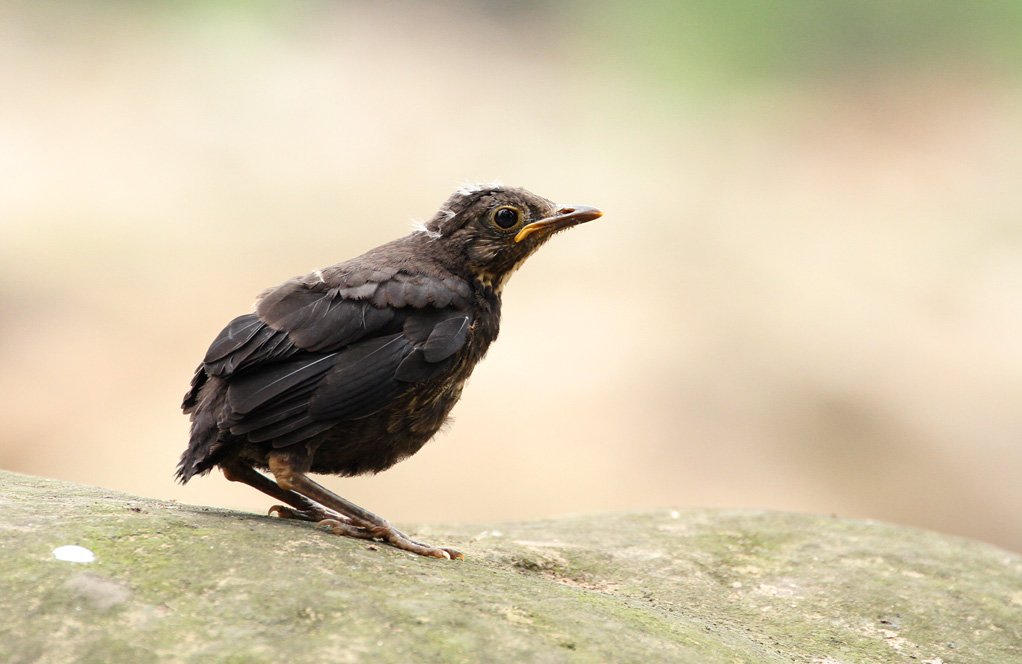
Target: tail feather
[
  {"x": 203, "y": 402},
  {"x": 192, "y": 397}
]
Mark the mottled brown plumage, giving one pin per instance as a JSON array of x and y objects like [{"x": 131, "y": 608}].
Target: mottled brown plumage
[{"x": 352, "y": 368}]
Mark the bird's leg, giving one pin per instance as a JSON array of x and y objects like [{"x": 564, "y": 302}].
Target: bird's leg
[
  {"x": 290, "y": 479},
  {"x": 300, "y": 507}
]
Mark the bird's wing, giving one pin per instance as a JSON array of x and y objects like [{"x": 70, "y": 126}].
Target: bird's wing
[{"x": 315, "y": 354}]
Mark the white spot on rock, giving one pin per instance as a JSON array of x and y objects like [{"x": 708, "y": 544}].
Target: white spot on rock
[{"x": 72, "y": 553}]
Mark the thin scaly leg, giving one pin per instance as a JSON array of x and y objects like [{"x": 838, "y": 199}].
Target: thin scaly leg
[
  {"x": 295, "y": 481},
  {"x": 300, "y": 507}
]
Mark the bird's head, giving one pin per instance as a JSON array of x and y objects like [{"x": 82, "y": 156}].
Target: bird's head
[{"x": 495, "y": 228}]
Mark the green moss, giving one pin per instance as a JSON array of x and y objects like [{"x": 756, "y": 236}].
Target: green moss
[{"x": 187, "y": 584}]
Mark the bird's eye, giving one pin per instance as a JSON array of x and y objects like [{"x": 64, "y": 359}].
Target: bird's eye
[{"x": 506, "y": 217}]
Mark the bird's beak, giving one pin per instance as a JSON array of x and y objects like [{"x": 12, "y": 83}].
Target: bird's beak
[{"x": 565, "y": 218}]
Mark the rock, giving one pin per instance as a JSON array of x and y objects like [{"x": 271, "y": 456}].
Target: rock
[{"x": 179, "y": 583}]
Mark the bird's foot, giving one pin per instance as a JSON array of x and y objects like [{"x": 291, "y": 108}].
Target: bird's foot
[
  {"x": 390, "y": 535},
  {"x": 343, "y": 526},
  {"x": 313, "y": 514},
  {"x": 396, "y": 538},
  {"x": 347, "y": 518}
]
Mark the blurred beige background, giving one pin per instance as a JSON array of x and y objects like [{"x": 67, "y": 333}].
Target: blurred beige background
[{"x": 806, "y": 293}]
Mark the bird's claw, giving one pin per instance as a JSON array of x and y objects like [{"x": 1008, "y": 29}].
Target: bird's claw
[
  {"x": 338, "y": 527},
  {"x": 285, "y": 512},
  {"x": 388, "y": 534},
  {"x": 317, "y": 514},
  {"x": 454, "y": 554},
  {"x": 402, "y": 541}
]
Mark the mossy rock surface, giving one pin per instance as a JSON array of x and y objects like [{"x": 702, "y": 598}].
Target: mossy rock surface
[{"x": 180, "y": 583}]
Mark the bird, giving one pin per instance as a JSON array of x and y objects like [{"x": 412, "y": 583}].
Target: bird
[{"x": 350, "y": 369}]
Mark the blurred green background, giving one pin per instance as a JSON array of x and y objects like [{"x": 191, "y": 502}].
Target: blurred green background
[{"x": 806, "y": 293}]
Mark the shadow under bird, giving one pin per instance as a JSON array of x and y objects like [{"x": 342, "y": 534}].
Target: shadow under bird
[{"x": 352, "y": 368}]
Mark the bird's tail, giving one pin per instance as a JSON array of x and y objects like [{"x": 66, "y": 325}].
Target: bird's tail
[{"x": 204, "y": 401}]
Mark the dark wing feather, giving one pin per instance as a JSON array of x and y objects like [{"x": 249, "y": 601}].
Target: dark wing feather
[
  {"x": 446, "y": 338},
  {"x": 362, "y": 380},
  {"x": 252, "y": 389},
  {"x": 414, "y": 368},
  {"x": 283, "y": 410},
  {"x": 417, "y": 293},
  {"x": 237, "y": 333},
  {"x": 442, "y": 335},
  {"x": 266, "y": 345},
  {"x": 245, "y": 342},
  {"x": 293, "y": 305},
  {"x": 317, "y": 353},
  {"x": 438, "y": 294},
  {"x": 343, "y": 323}
]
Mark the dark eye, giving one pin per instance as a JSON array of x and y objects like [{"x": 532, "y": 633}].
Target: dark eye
[{"x": 506, "y": 217}]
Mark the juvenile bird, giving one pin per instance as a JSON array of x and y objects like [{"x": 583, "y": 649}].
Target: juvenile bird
[{"x": 354, "y": 367}]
